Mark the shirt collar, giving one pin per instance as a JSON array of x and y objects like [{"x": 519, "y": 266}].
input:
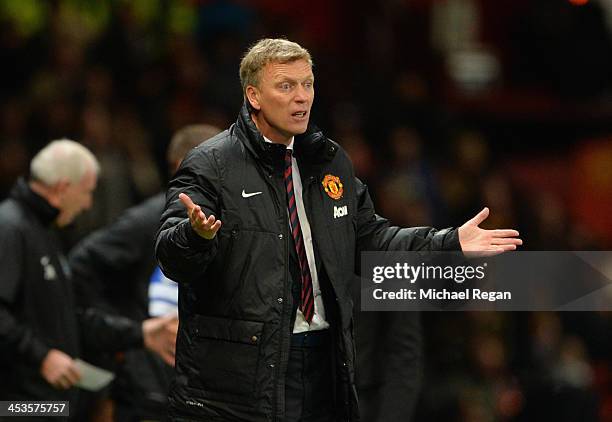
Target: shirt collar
[{"x": 290, "y": 146}]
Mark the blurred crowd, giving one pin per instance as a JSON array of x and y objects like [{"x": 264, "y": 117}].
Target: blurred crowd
[{"x": 444, "y": 107}]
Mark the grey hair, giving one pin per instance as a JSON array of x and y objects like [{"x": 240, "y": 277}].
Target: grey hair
[
  {"x": 268, "y": 50},
  {"x": 62, "y": 159}
]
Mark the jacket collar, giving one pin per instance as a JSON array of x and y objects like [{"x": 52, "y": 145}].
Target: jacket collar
[
  {"x": 36, "y": 204},
  {"x": 311, "y": 147}
]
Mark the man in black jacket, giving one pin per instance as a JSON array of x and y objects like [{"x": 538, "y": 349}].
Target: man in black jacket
[
  {"x": 112, "y": 268},
  {"x": 262, "y": 228},
  {"x": 40, "y": 332},
  {"x": 389, "y": 363}
]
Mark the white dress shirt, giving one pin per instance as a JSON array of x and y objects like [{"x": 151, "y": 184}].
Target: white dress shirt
[{"x": 318, "y": 319}]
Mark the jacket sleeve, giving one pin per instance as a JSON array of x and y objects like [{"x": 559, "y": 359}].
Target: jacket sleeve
[
  {"x": 16, "y": 339},
  {"x": 108, "y": 255},
  {"x": 101, "y": 331},
  {"x": 374, "y": 233},
  {"x": 181, "y": 253}
]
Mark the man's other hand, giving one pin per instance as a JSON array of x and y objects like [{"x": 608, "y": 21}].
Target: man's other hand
[
  {"x": 480, "y": 242},
  {"x": 159, "y": 336},
  {"x": 206, "y": 227},
  {"x": 59, "y": 370}
]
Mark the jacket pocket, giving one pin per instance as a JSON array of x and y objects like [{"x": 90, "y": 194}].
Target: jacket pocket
[{"x": 226, "y": 354}]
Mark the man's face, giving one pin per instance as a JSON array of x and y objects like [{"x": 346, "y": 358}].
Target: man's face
[
  {"x": 76, "y": 198},
  {"x": 284, "y": 98}
]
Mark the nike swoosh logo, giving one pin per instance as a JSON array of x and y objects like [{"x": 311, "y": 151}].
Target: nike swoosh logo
[{"x": 248, "y": 195}]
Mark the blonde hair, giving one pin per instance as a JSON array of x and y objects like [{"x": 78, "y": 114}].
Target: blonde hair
[
  {"x": 268, "y": 50},
  {"x": 61, "y": 159}
]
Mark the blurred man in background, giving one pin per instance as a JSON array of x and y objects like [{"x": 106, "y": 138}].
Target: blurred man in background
[
  {"x": 112, "y": 269},
  {"x": 40, "y": 332},
  {"x": 390, "y": 362}
]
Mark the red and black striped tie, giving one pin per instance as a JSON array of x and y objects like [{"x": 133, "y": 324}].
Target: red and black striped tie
[{"x": 307, "y": 300}]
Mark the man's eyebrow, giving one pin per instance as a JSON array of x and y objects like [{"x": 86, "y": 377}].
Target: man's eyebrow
[{"x": 285, "y": 78}]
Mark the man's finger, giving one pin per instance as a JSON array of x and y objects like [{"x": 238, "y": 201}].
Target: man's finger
[
  {"x": 72, "y": 374},
  {"x": 209, "y": 221},
  {"x": 216, "y": 226},
  {"x": 70, "y": 381},
  {"x": 186, "y": 200},
  {"x": 195, "y": 212},
  {"x": 62, "y": 383},
  {"x": 481, "y": 216},
  {"x": 506, "y": 241},
  {"x": 505, "y": 233},
  {"x": 168, "y": 358},
  {"x": 198, "y": 216}
]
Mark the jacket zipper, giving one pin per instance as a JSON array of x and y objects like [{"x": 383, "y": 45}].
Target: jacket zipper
[{"x": 284, "y": 235}]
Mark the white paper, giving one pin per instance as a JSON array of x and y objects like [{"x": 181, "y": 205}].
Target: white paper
[{"x": 92, "y": 377}]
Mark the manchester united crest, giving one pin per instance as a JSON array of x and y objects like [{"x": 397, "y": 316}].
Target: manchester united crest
[{"x": 333, "y": 186}]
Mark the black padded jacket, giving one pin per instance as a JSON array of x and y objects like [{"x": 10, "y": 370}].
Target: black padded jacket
[{"x": 236, "y": 302}]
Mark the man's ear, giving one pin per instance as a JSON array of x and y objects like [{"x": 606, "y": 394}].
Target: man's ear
[
  {"x": 60, "y": 188},
  {"x": 252, "y": 94},
  {"x": 54, "y": 194}
]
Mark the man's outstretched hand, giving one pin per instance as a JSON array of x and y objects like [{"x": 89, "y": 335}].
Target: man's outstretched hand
[
  {"x": 475, "y": 240},
  {"x": 206, "y": 227}
]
